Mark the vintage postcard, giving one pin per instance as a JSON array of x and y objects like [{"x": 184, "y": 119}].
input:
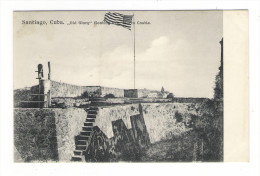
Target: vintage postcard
[{"x": 133, "y": 86}]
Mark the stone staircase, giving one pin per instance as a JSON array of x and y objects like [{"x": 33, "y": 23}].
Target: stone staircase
[{"x": 81, "y": 141}]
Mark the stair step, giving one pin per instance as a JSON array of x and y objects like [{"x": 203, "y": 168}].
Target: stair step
[
  {"x": 83, "y": 137},
  {"x": 87, "y": 128},
  {"x": 93, "y": 108},
  {"x": 91, "y": 116},
  {"x": 85, "y": 133},
  {"x": 94, "y": 112},
  {"x": 81, "y": 147},
  {"x": 81, "y": 142},
  {"x": 90, "y": 120},
  {"x": 88, "y": 124},
  {"x": 78, "y": 152},
  {"x": 76, "y": 158}
]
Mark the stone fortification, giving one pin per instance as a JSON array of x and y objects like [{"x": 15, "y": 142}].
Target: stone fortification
[
  {"x": 159, "y": 118},
  {"x": 63, "y": 90},
  {"x": 68, "y": 90},
  {"x": 144, "y": 93},
  {"x": 47, "y": 134},
  {"x": 115, "y": 91}
]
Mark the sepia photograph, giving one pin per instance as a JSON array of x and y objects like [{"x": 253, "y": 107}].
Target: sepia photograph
[{"x": 118, "y": 86}]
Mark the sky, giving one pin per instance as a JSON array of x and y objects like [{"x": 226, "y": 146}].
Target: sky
[{"x": 178, "y": 50}]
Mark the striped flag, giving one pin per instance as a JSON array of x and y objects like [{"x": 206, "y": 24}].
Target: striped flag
[{"x": 119, "y": 19}]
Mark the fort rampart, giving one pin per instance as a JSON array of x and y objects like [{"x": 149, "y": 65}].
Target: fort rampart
[
  {"x": 64, "y": 90},
  {"x": 49, "y": 134}
]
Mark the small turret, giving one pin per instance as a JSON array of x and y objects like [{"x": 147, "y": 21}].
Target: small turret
[{"x": 162, "y": 90}]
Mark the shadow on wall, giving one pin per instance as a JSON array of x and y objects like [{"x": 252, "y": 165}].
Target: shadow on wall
[{"x": 126, "y": 145}]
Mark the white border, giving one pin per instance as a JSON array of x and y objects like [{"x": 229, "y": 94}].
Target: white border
[{"x": 237, "y": 169}]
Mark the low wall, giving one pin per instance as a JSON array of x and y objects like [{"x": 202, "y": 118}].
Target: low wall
[
  {"x": 159, "y": 118},
  {"x": 68, "y": 90},
  {"x": 144, "y": 93},
  {"x": 147, "y": 100},
  {"x": 70, "y": 102},
  {"x": 130, "y": 93},
  {"x": 92, "y": 91},
  {"x": 189, "y": 100},
  {"x": 61, "y": 90},
  {"x": 113, "y": 101},
  {"x": 24, "y": 95},
  {"x": 21, "y": 95},
  {"x": 65, "y": 90},
  {"x": 115, "y": 91},
  {"x": 125, "y": 132},
  {"x": 47, "y": 134}
]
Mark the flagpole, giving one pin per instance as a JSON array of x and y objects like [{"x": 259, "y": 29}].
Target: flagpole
[{"x": 134, "y": 48}]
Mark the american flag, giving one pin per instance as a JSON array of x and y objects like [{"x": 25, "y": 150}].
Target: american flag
[{"x": 119, "y": 19}]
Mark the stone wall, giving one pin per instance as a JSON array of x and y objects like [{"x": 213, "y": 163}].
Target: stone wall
[
  {"x": 70, "y": 102},
  {"x": 115, "y": 91},
  {"x": 144, "y": 93},
  {"x": 68, "y": 90},
  {"x": 61, "y": 90},
  {"x": 188, "y": 100},
  {"x": 92, "y": 91},
  {"x": 160, "y": 118},
  {"x": 112, "y": 113},
  {"x": 125, "y": 145},
  {"x": 115, "y": 100},
  {"x": 124, "y": 131},
  {"x": 65, "y": 90},
  {"x": 21, "y": 95},
  {"x": 25, "y": 95},
  {"x": 120, "y": 132},
  {"x": 35, "y": 134},
  {"x": 130, "y": 93},
  {"x": 147, "y": 100},
  {"x": 162, "y": 121},
  {"x": 35, "y": 89},
  {"x": 47, "y": 134},
  {"x": 69, "y": 123}
]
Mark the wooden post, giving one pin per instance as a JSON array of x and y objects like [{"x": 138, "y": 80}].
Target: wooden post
[
  {"x": 39, "y": 96},
  {"x": 49, "y": 74},
  {"x": 40, "y": 76},
  {"x": 49, "y": 92},
  {"x": 49, "y": 98}
]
